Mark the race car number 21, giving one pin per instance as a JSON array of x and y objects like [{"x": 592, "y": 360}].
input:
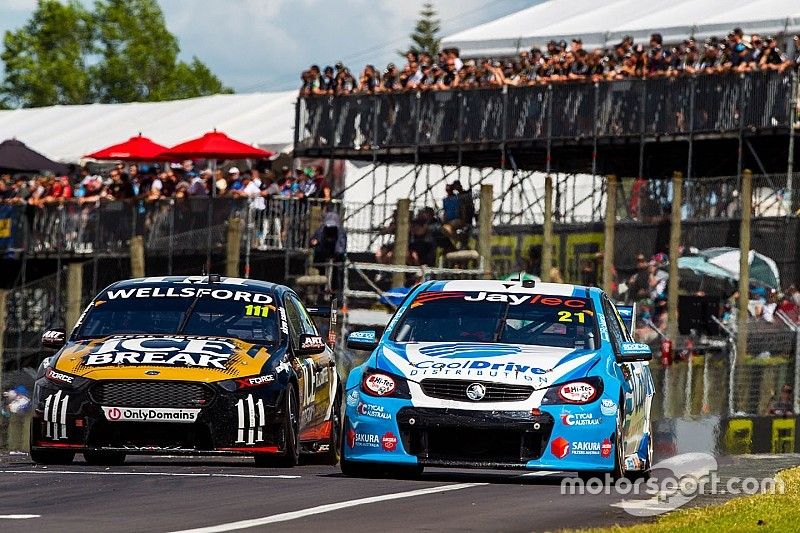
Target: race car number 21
[{"x": 569, "y": 316}]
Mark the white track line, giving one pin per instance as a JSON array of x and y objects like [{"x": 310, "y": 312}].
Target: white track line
[
  {"x": 166, "y": 474},
  {"x": 284, "y": 517},
  {"x": 538, "y": 473},
  {"x": 18, "y": 516}
]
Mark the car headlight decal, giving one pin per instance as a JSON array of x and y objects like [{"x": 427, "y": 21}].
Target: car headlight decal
[
  {"x": 577, "y": 392},
  {"x": 380, "y": 384}
]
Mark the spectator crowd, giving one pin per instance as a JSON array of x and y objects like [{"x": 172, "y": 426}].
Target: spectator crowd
[
  {"x": 156, "y": 182},
  {"x": 433, "y": 233},
  {"x": 558, "y": 61}
]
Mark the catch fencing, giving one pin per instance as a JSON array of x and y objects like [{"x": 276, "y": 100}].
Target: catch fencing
[{"x": 715, "y": 380}]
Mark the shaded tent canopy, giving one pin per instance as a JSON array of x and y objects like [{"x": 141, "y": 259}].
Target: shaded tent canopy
[
  {"x": 605, "y": 23},
  {"x": 214, "y": 144},
  {"x": 67, "y": 133},
  {"x": 137, "y": 148},
  {"x": 15, "y": 156},
  {"x": 762, "y": 268}
]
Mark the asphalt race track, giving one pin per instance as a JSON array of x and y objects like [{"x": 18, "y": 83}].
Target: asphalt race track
[{"x": 177, "y": 494}]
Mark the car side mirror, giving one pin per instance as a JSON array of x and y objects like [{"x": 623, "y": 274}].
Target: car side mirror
[
  {"x": 631, "y": 352},
  {"x": 54, "y": 339},
  {"x": 310, "y": 345},
  {"x": 366, "y": 340}
]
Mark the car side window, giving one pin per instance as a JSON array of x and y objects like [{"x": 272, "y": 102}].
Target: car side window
[
  {"x": 615, "y": 329},
  {"x": 306, "y": 323},
  {"x": 295, "y": 322},
  {"x": 614, "y": 316}
]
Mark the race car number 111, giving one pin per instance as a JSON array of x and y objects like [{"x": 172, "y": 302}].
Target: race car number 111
[{"x": 256, "y": 310}]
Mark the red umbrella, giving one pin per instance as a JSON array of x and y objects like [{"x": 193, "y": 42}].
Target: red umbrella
[
  {"x": 214, "y": 145},
  {"x": 134, "y": 149}
]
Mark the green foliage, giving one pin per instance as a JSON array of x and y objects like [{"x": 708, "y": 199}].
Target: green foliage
[
  {"x": 122, "y": 51},
  {"x": 425, "y": 37},
  {"x": 45, "y": 60}
]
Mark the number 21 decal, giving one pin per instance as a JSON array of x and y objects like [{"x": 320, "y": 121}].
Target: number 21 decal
[{"x": 569, "y": 316}]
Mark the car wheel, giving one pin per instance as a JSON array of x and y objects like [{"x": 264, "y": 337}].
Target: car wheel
[
  {"x": 291, "y": 429},
  {"x": 100, "y": 458},
  {"x": 619, "y": 444},
  {"x": 645, "y": 472},
  {"x": 52, "y": 457},
  {"x": 335, "y": 440}
]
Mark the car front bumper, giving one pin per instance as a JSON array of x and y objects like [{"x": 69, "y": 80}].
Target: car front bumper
[
  {"x": 561, "y": 437},
  {"x": 227, "y": 423}
]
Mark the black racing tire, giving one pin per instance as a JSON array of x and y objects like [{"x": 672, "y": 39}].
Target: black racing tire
[
  {"x": 354, "y": 469},
  {"x": 619, "y": 454},
  {"x": 101, "y": 458},
  {"x": 334, "y": 453},
  {"x": 290, "y": 456},
  {"x": 644, "y": 474},
  {"x": 619, "y": 443},
  {"x": 52, "y": 457}
]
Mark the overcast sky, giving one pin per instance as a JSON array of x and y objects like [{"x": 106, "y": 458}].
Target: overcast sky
[{"x": 262, "y": 45}]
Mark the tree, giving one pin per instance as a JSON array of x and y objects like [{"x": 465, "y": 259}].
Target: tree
[
  {"x": 119, "y": 52},
  {"x": 45, "y": 60},
  {"x": 425, "y": 37},
  {"x": 139, "y": 56}
]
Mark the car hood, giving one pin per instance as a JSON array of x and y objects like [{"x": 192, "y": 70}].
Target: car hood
[
  {"x": 539, "y": 366},
  {"x": 162, "y": 357}
]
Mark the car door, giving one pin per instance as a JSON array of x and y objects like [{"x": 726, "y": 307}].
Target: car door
[
  {"x": 316, "y": 371},
  {"x": 634, "y": 380}
]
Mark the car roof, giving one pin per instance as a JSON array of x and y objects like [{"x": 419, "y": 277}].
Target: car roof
[
  {"x": 254, "y": 285},
  {"x": 512, "y": 286}
]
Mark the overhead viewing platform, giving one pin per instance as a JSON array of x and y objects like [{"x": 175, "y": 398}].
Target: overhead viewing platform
[{"x": 628, "y": 127}]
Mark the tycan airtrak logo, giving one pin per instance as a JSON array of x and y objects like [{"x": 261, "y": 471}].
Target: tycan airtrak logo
[{"x": 580, "y": 419}]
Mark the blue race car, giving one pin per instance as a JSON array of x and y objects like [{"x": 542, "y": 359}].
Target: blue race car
[{"x": 500, "y": 374}]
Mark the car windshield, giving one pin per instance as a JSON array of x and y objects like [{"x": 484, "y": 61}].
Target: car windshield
[
  {"x": 558, "y": 321},
  {"x": 193, "y": 315}
]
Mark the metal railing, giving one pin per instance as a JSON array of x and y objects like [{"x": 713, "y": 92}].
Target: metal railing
[
  {"x": 714, "y": 103},
  {"x": 168, "y": 227}
]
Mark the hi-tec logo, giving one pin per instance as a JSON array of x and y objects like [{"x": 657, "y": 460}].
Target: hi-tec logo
[
  {"x": 131, "y": 414},
  {"x": 519, "y": 299},
  {"x": 189, "y": 292},
  {"x": 176, "y": 351}
]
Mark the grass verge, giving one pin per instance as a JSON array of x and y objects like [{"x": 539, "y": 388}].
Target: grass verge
[{"x": 759, "y": 512}]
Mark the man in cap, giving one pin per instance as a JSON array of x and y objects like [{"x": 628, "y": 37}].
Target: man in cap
[{"x": 234, "y": 179}]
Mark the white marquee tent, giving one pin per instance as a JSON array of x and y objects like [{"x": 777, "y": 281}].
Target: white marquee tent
[
  {"x": 66, "y": 133},
  {"x": 604, "y": 22}
]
